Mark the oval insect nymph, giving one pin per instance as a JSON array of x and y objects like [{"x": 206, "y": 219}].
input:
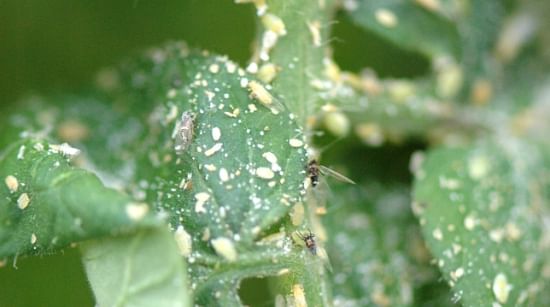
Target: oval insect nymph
[{"x": 183, "y": 132}]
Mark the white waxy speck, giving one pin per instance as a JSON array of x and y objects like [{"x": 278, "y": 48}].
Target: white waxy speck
[
  {"x": 210, "y": 167},
  {"x": 295, "y": 143},
  {"x": 459, "y": 273},
  {"x": 269, "y": 156},
  {"x": 259, "y": 92},
  {"x": 337, "y": 123},
  {"x": 21, "y": 153},
  {"x": 224, "y": 175},
  {"x": 23, "y": 201},
  {"x": 478, "y": 167},
  {"x": 438, "y": 235},
  {"x": 265, "y": 173},
  {"x": 244, "y": 82},
  {"x": 183, "y": 241},
  {"x": 299, "y": 295},
  {"x": 225, "y": 248},
  {"x": 469, "y": 222},
  {"x": 64, "y": 149},
  {"x": 136, "y": 211},
  {"x": 314, "y": 29},
  {"x": 201, "y": 198},
  {"x": 252, "y": 68},
  {"x": 230, "y": 67},
  {"x": 12, "y": 183},
  {"x": 214, "y": 149},
  {"x": 274, "y": 23},
  {"x": 38, "y": 147},
  {"x": 501, "y": 288},
  {"x": 33, "y": 238},
  {"x": 172, "y": 94},
  {"x": 297, "y": 214},
  {"x": 214, "y": 68},
  {"x": 432, "y": 5},
  {"x": 386, "y": 18},
  {"x": 496, "y": 235},
  {"x": 449, "y": 183},
  {"x": 252, "y": 108},
  {"x": 267, "y": 72},
  {"x": 216, "y": 133},
  {"x": 210, "y": 95},
  {"x": 513, "y": 232},
  {"x": 172, "y": 114}
]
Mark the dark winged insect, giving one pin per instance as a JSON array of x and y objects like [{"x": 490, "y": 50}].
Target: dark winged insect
[
  {"x": 309, "y": 241},
  {"x": 313, "y": 169}
]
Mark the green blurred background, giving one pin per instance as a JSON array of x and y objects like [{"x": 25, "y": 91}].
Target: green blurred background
[{"x": 58, "y": 45}]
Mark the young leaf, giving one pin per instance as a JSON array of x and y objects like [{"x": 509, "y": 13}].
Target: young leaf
[
  {"x": 482, "y": 213},
  {"x": 46, "y": 203},
  {"x": 141, "y": 269},
  {"x": 407, "y": 24}
]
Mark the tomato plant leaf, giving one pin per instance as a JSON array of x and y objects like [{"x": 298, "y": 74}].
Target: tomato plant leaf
[
  {"x": 408, "y": 25},
  {"x": 483, "y": 216},
  {"x": 47, "y": 203},
  {"x": 378, "y": 251},
  {"x": 140, "y": 269}
]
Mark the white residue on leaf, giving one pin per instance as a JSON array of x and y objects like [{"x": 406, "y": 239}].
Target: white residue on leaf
[
  {"x": 225, "y": 248},
  {"x": 216, "y": 133},
  {"x": 183, "y": 241},
  {"x": 136, "y": 211},
  {"x": 224, "y": 175},
  {"x": 299, "y": 295},
  {"x": 437, "y": 234},
  {"x": 296, "y": 143},
  {"x": 478, "y": 167},
  {"x": 64, "y": 149},
  {"x": 501, "y": 288},
  {"x": 265, "y": 173},
  {"x": 33, "y": 238},
  {"x": 274, "y": 23},
  {"x": 315, "y": 30},
  {"x": 213, "y": 149},
  {"x": 12, "y": 183},
  {"x": 21, "y": 153},
  {"x": 470, "y": 222},
  {"x": 214, "y": 68},
  {"x": 386, "y": 18},
  {"x": 201, "y": 198},
  {"x": 23, "y": 201}
]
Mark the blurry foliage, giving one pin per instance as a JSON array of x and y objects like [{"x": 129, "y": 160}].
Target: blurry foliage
[{"x": 442, "y": 104}]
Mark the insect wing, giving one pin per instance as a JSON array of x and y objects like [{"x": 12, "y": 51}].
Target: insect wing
[
  {"x": 322, "y": 254},
  {"x": 329, "y": 172}
]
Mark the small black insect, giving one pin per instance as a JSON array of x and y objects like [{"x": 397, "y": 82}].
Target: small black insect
[
  {"x": 309, "y": 241},
  {"x": 313, "y": 170}
]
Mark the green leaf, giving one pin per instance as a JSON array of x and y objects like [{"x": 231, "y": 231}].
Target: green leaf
[
  {"x": 377, "y": 251},
  {"x": 299, "y": 54},
  {"x": 483, "y": 214},
  {"x": 142, "y": 269},
  {"x": 46, "y": 203},
  {"x": 408, "y": 25},
  {"x": 106, "y": 134},
  {"x": 239, "y": 174}
]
